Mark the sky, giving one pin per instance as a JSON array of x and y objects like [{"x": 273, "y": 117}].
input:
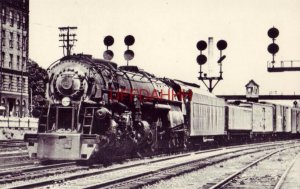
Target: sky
[{"x": 166, "y": 33}]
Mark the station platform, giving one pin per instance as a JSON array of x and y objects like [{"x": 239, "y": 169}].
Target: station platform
[{"x": 292, "y": 180}]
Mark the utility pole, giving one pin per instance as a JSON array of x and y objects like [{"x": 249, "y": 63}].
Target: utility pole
[
  {"x": 2, "y": 17},
  {"x": 68, "y": 39}
]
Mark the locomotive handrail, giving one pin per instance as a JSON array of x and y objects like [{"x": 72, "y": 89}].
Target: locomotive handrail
[{"x": 52, "y": 64}]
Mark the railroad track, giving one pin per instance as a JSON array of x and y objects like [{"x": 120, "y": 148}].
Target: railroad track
[
  {"x": 13, "y": 145},
  {"x": 150, "y": 171},
  {"x": 36, "y": 171},
  {"x": 10, "y": 142},
  {"x": 284, "y": 175},
  {"x": 236, "y": 180},
  {"x": 14, "y": 148},
  {"x": 13, "y": 156},
  {"x": 18, "y": 165}
]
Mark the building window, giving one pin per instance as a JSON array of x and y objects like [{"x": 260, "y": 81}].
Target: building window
[
  {"x": 18, "y": 41},
  {"x": 2, "y": 58},
  {"x": 3, "y": 15},
  {"x": 10, "y": 63},
  {"x": 24, "y": 43},
  {"x": 10, "y": 83},
  {"x": 11, "y": 18},
  {"x": 23, "y": 63},
  {"x": 23, "y": 83},
  {"x": 2, "y": 81},
  {"x": 24, "y": 22},
  {"x": 11, "y": 41},
  {"x": 18, "y": 62},
  {"x": 18, "y": 84},
  {"x": 3, "y": 37},
  {"x": 18, "y": 21}
]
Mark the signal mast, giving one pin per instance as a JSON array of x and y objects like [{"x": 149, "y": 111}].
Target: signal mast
[{"x": 202, "y": 59}]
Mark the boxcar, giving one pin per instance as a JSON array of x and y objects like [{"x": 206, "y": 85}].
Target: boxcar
[
  {"x": 295, "y": 116},
  {"x": 287, "y": 126},
  {"x": 262, "y": 118},
  {"x": 238, "y": 119},
  {"x": 278, "y": 114},
  {"x": 207, "y": 117}
]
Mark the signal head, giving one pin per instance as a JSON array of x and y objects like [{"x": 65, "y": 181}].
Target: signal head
[
  {"x": 201, "y": 45},
  {"x": 129, "y": 40},
  {"x": 108, "y": 55},
  {"x": 108, "y": 40},
  {"x": 201, "y": 59},
  {"x": 128, "y": 55},
  {"x": 273, "y": 48},
  {"x": 221, "y": 45},
  {"x": 273, "y": 32}
]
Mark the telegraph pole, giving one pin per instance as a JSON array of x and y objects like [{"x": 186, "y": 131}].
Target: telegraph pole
[
  {"x": 68, "y": 39},
  {"x": 2, "y": 17}
]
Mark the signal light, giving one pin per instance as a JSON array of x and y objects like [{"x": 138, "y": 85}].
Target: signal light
[
  {"x": 108, "y": 55},
  {"x": 221, "y": 45},
  {"x": 201, "y": 45},
  {"x": 273, "y": 32},
  {"x": 108, "y": 41},
  {"x": 273, "y": 48},
  {"x": 129, "y": 40},
  {"x": 128, "y": 55},
  {"x": 201, "y": 59}
]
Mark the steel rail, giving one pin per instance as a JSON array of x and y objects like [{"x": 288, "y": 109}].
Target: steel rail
[
  {"x": 229, "y": 178},
  {"x": 38, "y": 168},
  {"x": 79, "y": 176},
  {"x": 284, "y": 175}
]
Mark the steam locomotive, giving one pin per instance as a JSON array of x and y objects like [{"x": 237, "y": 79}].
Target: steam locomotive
[{"x": 96, "y": 109}]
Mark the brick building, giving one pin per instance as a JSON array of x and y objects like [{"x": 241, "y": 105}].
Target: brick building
[{"x": 14, "y": 32}]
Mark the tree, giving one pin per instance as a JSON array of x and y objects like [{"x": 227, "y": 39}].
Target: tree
[{"x": 37, "y": 79}]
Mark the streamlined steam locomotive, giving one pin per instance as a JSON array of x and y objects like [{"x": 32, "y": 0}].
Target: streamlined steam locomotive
[{"x": 96, "y": 110}]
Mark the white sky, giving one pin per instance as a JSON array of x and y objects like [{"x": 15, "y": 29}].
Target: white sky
[{"x": 166, "y": 33}]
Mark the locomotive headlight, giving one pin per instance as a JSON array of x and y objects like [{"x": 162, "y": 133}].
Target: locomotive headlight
[{"x": 66, "y": 101}]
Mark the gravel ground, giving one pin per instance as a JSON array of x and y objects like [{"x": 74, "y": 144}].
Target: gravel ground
[
  {"x": 213, "y": 174},
  {"x": 267, "y": 173}
]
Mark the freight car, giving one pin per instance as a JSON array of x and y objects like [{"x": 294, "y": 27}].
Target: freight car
[
  {"x": 96, "y": 109},
  {"x": 238, "y": 122},
  {"x": 282, "y": 120},
  {"x": 295, "y": 121}
]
